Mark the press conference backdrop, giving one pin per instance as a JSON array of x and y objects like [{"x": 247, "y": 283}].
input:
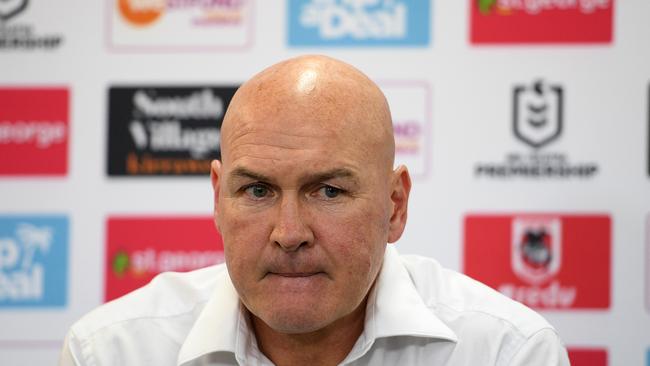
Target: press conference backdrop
[{"x": 524, "y": 123}]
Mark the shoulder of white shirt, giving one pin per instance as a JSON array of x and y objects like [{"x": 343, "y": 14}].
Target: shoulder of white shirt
[
  {"x": 453, "y": 294},
  {"x": 169, "y": 294}
]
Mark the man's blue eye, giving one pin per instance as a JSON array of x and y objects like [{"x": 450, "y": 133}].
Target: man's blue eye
[
  {"x": 257, "y": 191},
  {"x": 332, "y": 192}
]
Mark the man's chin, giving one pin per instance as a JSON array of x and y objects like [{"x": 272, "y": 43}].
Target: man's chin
[{"x": 295, "y": 321}]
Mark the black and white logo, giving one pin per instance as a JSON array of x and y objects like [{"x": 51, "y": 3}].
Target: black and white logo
[
  {"x": 537, "y": 114},
  {"x": 9, "y": 8},
  {"x": 537, "y": 122},
  {"x": 165, "y": 130},
  {"x": 21, "y": 35}
]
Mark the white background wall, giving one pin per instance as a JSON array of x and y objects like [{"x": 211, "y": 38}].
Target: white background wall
[{"x": 606, "y": 91}]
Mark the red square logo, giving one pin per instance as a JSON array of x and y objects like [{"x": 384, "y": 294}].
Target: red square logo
[
  {"x": 524, "y": 21},
  {"x": 587, "y": 357},
  {"x": 545, "y": 261},
  {"x": 34, "y": 127},
  {"x": 139, "y": 248}
]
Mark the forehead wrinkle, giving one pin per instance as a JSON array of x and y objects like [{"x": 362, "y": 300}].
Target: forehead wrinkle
[
  {"x": 261, "y": 133},
  {"x": 275, "y": 150},
  {"x": 247, "y": 146},
  {"x": 314, "y": 151}
]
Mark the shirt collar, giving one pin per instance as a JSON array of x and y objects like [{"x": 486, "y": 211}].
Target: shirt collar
[
  {"x": 394, "y": 308},
  {"x": 219, "y": 324}
]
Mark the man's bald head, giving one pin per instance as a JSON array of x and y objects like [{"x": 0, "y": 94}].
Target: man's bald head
[
  {"x": 315, "y": 90},
  {"x": 306, "y": 198}
]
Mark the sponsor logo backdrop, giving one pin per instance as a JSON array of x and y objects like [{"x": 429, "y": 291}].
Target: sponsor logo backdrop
[
  {"x": 165, "y": 130},
  {"x": 34, "y": 124},
  {"x": 21, "y": 31},
  {"x": 516, "y": 21},
  {"x": 359, "y": 23},
  {"x": 588, "y": 357},
  {"x": 525, "y": 125},
  {"x": 173, "y": 25},
  {"x": 537, "y": 121},
  {"x": 410, "y": 103},
  {"x": 545, "y": 261},
  {"x": 137, "y": 249},
  {"x": 33, "y": 261}
]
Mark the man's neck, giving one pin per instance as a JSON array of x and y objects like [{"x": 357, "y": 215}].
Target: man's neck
[{"x": 327, "y": 346}]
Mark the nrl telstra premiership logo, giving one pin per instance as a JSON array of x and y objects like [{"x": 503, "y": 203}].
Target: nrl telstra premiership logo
[
  {"x": 537, "y": 121},
  {"x": 10, "y": 8},
  {"x": 21, "y": 35},
  {"x": 538, "y": 113}
]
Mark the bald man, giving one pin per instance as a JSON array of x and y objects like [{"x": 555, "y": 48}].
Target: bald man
[{"x": 306, "y": 200}]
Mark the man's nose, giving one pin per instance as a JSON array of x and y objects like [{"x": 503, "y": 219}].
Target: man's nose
[{"x": 291, "y": 230}]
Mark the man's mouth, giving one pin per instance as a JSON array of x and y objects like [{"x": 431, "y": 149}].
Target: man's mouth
[{"x": 295, "y": 274}]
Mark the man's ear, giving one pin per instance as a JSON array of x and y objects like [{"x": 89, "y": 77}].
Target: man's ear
[
  {"x": 215, "y": 178},
  {"x": 400, "y": 190}
]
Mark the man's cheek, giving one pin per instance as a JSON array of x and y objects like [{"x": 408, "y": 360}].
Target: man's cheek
[{"x": 236, "y": 224}]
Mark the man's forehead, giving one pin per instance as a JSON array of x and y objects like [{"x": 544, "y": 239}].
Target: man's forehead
[
  {"x": 294, "y": 131},
  {"x": 322, "y": 112},
  {"x": 304, "y": 100},
  {"x": 283, "y": 125}
]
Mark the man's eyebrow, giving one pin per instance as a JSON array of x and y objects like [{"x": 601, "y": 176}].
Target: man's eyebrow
[
  {"x": 331, "y": 174},
  {"x": 241, "y": 172}
]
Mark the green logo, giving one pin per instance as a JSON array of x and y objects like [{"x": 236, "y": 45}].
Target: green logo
[
  {"x": 485, "y": 6},
  {"x": 120, "y": 263}
]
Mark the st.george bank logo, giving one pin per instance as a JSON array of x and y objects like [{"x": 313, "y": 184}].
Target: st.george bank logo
[
  {"x": 545, "y": 261},
  {"x": 181, "y": 24},
  {"x": 33, "y": 261},
  {"x": 34, "y": 130},
  {"x": 139, "y": 248},
  {"x": 541, "y": 21},
  {"x": 410, "y": 106},
  {"x": 359, "y": 22},
  {"x": 165, "y": 130},
  {"x": 587, "y": 356}
]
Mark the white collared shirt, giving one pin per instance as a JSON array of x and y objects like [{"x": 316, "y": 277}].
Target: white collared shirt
[{"x": 418, "y": 313}]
